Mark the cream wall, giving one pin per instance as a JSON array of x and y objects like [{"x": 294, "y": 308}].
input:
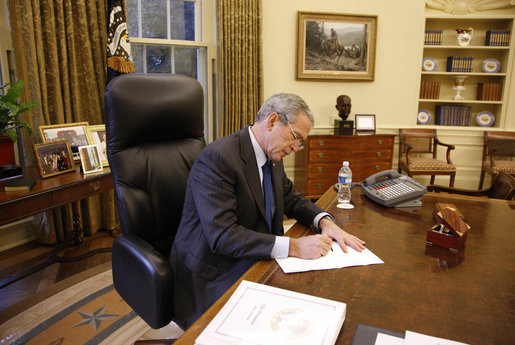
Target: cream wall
[{"x": 392, "y": 96}]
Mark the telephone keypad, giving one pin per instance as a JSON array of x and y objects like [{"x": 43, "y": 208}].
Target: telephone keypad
[{"x": 392, "y": 189}]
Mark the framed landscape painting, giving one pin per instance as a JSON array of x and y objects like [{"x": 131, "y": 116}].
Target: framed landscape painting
[{"x": 335, "y": 46}]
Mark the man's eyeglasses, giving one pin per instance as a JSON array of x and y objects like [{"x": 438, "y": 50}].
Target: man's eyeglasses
[{"x": 298, "y": 141}]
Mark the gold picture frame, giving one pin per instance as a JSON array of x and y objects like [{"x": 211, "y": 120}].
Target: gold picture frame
[
  {"x": 336, "y": 46},
  {"x": 74, "y": 132},
  {"x": 96, "y": 135},
  {"x": 54, "y": 158}
]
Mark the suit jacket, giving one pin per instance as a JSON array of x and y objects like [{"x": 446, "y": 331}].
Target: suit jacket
[{"x": 223, "y": 228}]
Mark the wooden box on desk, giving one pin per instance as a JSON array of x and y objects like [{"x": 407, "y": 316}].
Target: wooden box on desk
[{"x": 450, "y": 230}]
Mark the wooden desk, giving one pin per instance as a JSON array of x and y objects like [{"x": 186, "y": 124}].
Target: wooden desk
[
  {"x": 467, "y": 297},
  {"x": 49, "y": 193}
]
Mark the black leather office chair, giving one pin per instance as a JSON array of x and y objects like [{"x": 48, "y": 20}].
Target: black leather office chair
[{"x": 154, "y": 126}]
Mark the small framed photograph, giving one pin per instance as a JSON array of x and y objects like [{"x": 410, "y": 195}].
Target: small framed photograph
[
  {"x": 90, "y": 159},
  {"x": 54, "y": 158},
  {"x": 74, "y": 132},
  {"x": 365, "y": 122},
  {"x": 97, "y": 136},
  {"x": 336, "y": 46}
]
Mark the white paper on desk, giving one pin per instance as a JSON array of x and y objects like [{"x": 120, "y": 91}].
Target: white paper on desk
[
  {"x": 336, "y": 258},
  {"x": 386, "y": 339},
  {"x": 413, "y": 338}
]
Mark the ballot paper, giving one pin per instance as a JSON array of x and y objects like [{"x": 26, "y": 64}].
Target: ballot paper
[
  {"x": 335, "y": 258},
  {"x": 258, "y": 314}
]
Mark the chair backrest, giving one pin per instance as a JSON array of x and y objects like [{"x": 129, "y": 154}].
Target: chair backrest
[
  {"x": 503, "y": 187},
  {"x": 155, "y": 130},
  {"x": 499, "y": 144},
  {"x": 420, "y": 140}
]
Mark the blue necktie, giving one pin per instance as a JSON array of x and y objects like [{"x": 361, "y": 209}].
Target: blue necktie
[{"x": 267, "y": 193}]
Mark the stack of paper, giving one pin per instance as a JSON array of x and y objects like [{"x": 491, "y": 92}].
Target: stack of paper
[{"x": 262, "y": 315}]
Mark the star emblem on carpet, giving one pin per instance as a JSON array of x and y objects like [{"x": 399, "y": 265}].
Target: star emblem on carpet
[{"x": 94, "y": 319}]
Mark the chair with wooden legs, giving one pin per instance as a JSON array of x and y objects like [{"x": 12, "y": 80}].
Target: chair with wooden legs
[
  {"x": 415, "y": 145},
  {"x": 498, "y": 153}
]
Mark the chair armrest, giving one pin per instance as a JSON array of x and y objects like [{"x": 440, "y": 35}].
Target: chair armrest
[
  {"x": 449, "y": 148},
  {"x": 408, "y": 149},
  {"x": 453, "y": 190},
  {"x": 144, "y": 279}
]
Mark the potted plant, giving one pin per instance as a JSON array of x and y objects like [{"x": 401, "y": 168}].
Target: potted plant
[{"x": 10, "y": 111}]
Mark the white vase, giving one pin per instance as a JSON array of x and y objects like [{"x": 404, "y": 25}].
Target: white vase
[{"x": 464, "y": 36}]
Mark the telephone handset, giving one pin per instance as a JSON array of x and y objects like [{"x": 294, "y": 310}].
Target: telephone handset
[{"x": 391, "y": 189}]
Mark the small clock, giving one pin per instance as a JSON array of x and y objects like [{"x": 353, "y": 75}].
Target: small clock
[
  {"x": 491, "y": 66},
  {"x": 485, "y": 119},
  {"x": 423, "y": 117},
  {"x": 429, "y": 64}
]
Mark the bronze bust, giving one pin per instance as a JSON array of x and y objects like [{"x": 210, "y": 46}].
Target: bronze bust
[{"x": 343, "y": 105}]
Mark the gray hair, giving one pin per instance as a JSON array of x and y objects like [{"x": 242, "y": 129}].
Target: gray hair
[{"x": 287, "y": 104}]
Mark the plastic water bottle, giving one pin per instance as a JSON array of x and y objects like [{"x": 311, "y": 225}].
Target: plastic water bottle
[{"x": 344, "y": 180}]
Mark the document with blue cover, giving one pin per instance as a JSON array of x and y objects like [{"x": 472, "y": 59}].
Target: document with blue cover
[{"x": 258, "y": 314}]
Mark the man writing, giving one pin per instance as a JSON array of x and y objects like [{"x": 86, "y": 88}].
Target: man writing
[{"x": 230, "y": 220}]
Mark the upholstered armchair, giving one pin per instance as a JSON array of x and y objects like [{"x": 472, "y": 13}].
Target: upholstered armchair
[
  {"x": 154, "y": 126},
  {"x": 498, "y": 153},
  {"x": 418, "y": 154}
]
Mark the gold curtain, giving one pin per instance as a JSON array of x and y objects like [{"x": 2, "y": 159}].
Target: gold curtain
[
  {"x": 239, "y": 31},
  {"x": 60, "y": 52}
]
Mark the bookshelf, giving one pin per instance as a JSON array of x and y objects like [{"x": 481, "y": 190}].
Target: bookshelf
[{"x": 437, "y": 82}]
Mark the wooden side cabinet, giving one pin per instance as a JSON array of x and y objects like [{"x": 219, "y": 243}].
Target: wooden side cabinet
[{"x": 367, "y": 155}]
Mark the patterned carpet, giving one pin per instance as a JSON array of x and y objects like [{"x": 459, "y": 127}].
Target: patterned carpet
[{"x": 88, "y": 312}]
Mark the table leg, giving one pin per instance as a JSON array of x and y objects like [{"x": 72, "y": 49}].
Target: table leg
[{"x": 77, "y": 231}]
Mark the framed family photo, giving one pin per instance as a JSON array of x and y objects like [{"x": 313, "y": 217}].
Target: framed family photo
[
  {"x": 335, "y": 46},
  {"x": 90, "y": 159},
  {"x": 54, "y": 158},
  {"x": 97, "y": 136},
  {"x": 74, "y": 132}
]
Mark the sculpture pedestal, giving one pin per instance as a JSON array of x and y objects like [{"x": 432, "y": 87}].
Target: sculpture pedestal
[{"x": 343, "y": 127}]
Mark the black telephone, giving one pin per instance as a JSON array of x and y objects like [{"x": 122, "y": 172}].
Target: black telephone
[{"x": 391, "y": 189}]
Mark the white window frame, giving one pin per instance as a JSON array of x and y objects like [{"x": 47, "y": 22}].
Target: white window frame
[{"x": 205, "y": 40}]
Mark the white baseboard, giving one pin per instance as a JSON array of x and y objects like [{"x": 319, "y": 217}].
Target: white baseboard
[{"x": 16, "y": 233}]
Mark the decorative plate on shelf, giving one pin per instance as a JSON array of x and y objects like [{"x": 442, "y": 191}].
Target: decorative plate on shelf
[
  {"x": 491, "y": 66},
  {"x": 429, "y": 64},
  {"x": 423, "y": 117},
  {"x": 485, "y": 119}
]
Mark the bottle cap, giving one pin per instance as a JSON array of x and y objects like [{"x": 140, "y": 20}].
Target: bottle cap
[{"x": 345, "y": 163}]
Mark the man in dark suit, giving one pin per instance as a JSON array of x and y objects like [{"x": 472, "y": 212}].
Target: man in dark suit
[{"x": 224, "y": 227}]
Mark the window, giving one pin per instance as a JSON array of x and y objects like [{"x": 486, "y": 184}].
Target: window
[{"x": 172, "y": 36}]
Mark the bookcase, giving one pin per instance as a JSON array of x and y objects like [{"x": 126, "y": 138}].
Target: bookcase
[{"x": 486, "y": 63}]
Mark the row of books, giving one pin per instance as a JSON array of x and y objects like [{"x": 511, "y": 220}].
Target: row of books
[
  {"x": 433, "y": 38},
  {"x": 430, "y": 89},
  {"x": 452, "y": 115},
  {"x": 499, "y": 38},
  {"x": 459, "y": 63},
  {"x": 489, "y": 91}
]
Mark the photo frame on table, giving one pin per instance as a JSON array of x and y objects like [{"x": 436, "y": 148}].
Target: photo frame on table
[
  {"x": 365, "y": 122},
  {"x": 336, "y": 46},
  {"x": 54, "y": 158},
  {"x": 90, "y": 159},
  {"x": 74, "y": 132},
  {"x": 96, "y": 135}
]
